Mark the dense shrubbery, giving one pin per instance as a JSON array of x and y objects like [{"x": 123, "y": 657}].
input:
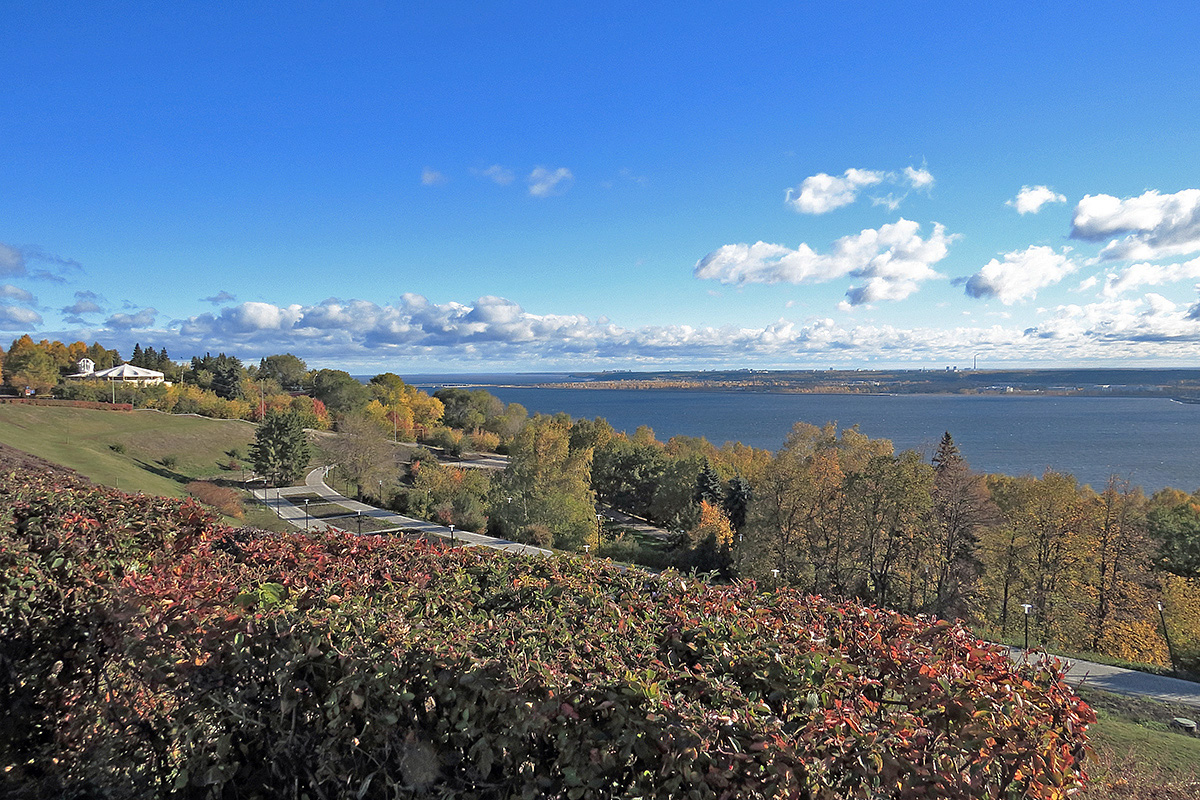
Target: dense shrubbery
[
  {"x": 222, "y": 498},
  {"x": 150, "y": 652}
]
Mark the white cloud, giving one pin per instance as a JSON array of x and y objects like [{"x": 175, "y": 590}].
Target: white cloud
[
  {"x": 894, "y": 260},
  {"x": 1020, "y": 275},
  {"x": 1153, "y": 225},
  {"x": 1135, "y": 326},
  {"x": 10, "y": 292},
  {"x": 496, "y": 332},
  {"x": 822, "y": 193},
  {"x": 919, "y": 178},
  {"x": 431, "y": 177},
  {"x": 142, "y": 319},
  {"x": 545, "y": 183},
  {"x": 501, "y": 176},
  {"x": 1031, "y": 199},
  {"x": 15, "y": 318},
  {"x": 1130, "y": 278}
]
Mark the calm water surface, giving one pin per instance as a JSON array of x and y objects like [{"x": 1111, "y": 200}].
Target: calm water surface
[{"x": 1152, "y": 442}]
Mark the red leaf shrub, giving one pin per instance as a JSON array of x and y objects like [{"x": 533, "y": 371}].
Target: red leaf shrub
[
  {"x": 222, "y": 498},
  {"x": 158, "y": 654}
]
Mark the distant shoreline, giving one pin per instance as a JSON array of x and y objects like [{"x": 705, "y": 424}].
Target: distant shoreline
[{"x": 1180, "y": 384}]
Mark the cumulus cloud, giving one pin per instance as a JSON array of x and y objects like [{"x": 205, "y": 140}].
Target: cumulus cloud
[
  {"x": 893, "y": 260},
  {"x": 919, "y": 178},
  {"x": 220, "y": 298},
  {"x": 501, "y": 176},
  {"x": 1031, "y": 199},
  {"x": 125, "y": 322},
  {"x": 1149, "y": 226},
  {"x": 1134, "y": 276},
  {"x": 85, "y": 303},
  {"x": 545, "y": 183},
  {"x": 1131, "y": 326},
  {"x": 495, "y": 332},
  {"x": 10, "y": 292},
  {"x": 1020, "y": 275},
  {"x": 16, "y": 318},
  {"x": 821, "y": 193},
  {"x": 431, "y": 177}
]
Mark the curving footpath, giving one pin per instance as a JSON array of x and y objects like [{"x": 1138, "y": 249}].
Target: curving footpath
[
  {"x": 1119, "y": 680},
  {"x": 314, "y": 483}
]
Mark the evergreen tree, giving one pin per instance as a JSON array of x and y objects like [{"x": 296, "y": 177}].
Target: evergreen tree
[
  {"x": 138, "y": 357},
  {"x": 961, "y": 506},
  {"x": 737, "y": 501},
  {"x": 708, "y": 486},
  {"x": 280, "y": 451}
]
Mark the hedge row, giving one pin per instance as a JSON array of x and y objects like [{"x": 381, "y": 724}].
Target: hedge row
[
  {"x": 88, "y": 404},
  {"x": 157, "y": 654}
]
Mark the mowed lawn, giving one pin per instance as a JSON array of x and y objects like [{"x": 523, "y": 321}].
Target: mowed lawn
[{"x": 127, "y": 449}]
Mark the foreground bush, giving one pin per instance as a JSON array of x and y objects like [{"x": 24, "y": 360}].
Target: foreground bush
[{"x": 152, "y": 653}]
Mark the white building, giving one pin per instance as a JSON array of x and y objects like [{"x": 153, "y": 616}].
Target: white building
[{"x": 126, "y": 373}]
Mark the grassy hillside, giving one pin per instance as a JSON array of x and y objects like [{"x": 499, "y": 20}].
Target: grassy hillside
[{"x": 126, "y": 449}]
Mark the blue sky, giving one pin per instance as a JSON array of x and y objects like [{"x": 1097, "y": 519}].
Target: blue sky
[{"x": 458, "y": 187}]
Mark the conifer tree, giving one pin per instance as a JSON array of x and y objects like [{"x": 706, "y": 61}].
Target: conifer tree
[
  {"x": 280, "y": 451},
  {"x": 961, "y": 506}
]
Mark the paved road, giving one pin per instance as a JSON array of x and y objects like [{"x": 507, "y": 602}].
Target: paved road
[
  {"x": 1123, "y": 681},
  {"x": 314, "y": 483}
]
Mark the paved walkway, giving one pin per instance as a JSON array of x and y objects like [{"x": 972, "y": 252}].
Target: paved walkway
[
  {"x": 1123, "y": 681},
  {"x": 314, "y": 483}
]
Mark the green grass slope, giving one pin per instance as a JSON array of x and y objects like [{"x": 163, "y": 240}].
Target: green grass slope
[{"x": 83, "y": 440}]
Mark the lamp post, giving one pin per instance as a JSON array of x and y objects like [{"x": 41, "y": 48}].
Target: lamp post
[
  {"x": 306, "y": 513},
  {"x": 452, "y": 535},
  {"x": 358, "y": 519},
  {"x": 1028, "y": 610},
  {"x": 1167, "y": 636}
]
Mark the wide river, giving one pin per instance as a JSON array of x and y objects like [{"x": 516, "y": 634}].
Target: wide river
[{"x": 1150, "y": 441}]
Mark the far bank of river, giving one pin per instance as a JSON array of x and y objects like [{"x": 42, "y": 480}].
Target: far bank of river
[{"x": 1150, "y": 441}]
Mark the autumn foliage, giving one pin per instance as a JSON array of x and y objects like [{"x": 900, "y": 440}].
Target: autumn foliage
[{"x": 150, "y": 652}]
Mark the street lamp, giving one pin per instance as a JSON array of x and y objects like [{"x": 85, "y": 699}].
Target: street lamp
[
  {"x": 1167, "y": 636},
  {"x": 1028, "y": 610},
  {"x": 358, "y": 519},
  {"x": 586, "y": 548},
  {"x": 306, "y": 513},
  {"x": 452, "y": 535}
]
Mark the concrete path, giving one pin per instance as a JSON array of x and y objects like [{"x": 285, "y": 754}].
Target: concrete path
[
  {"x": 314, "y": 483},
  {"x": 1122, "y": 681}
]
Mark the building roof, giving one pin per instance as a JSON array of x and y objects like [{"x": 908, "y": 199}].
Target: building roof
[{"x": 127, "y": 372}]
